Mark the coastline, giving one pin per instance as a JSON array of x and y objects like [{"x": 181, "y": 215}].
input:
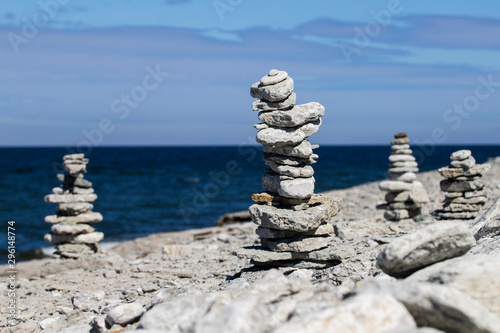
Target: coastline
[{"x": 163, "y": 265}]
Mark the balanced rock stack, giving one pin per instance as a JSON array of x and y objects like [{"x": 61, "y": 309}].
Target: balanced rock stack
[
  {"x": 406, "y": 195},
  {"x": 464, "y": 189},
  {"x": 71, "y": 231},
  {"x": 292, "y": 220}
]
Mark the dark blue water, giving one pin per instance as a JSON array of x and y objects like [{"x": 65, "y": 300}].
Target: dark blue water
[{"x": 143, "y": 190}]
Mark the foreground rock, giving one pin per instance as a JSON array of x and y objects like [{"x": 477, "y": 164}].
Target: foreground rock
[{"x": 425, "y": 246}]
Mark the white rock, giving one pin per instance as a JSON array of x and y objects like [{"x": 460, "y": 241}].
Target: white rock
[
  {"x": 464, "y": 164},
  {"x": 395, "y": 186},
  {"x": 461, "y": 155},
  {"x": 263, "y": 105},
  {"x": 291, "y": 171},
  {"x": 70, "y": 198},
  {"x": 273, "y": 93},
  {"x": 90, "y": 238},
  {"x": 273, "y": 77},
  {"x": 124, "y": 314},
  {"x": 418, "y": 193},
  {"x": 71, "y": 229},
  {"x": 91, "y": 217},
  {"x": 401, "y": 158},
  {"x": 362, "y": 313},
  {"x": 299, "y": 188},
  {"x": 296, "y": 116},
  {"x": 425, "y": 246},
  {"x": 302, "y": 150},
  {"x": 408, "y": 177}
]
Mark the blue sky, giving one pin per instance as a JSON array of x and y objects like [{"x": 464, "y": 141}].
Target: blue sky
[{"x": 178, "y": 72}]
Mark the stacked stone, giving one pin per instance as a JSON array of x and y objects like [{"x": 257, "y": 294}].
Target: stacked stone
[
  {"x": 406, "y": 196},
  {"x": 463, "y": 187},
  {"x": 71, "y": 229},
  {"x": 292, "y": 220}
]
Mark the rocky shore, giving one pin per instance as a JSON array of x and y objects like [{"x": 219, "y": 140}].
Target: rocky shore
[{"x": 405, "y": 276}]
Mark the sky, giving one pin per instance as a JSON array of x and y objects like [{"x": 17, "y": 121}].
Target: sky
[{"x": 178, "y": 72}]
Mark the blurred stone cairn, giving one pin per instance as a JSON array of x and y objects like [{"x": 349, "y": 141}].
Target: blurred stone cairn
[
  {"x": 405, "y": 195},
  {"x": 293, "y": 221},
  {"x": 71, "y": 229},
  {"x": 464, "y": 192}
]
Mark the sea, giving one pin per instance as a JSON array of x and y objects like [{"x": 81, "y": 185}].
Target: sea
[{"x": 145, "y": 190}]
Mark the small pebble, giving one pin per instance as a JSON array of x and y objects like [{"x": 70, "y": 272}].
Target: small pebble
[{"x": 273, "y": 72}]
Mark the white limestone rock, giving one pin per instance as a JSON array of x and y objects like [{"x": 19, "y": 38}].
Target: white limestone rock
[
  {"x": 273, "y": 93},
  {"x": 296, "y": 116},
  {"x": 263, "y": 105}
]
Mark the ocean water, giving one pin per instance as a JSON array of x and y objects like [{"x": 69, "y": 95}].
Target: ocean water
[{"x": 144, "y": 190}]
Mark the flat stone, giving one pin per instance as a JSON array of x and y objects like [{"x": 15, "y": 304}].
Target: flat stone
[
  {"x": 461, "y": 186},
  {"x": 403, "y": 164},
  {"x": 296, "y": 116},
  {"x": 271, "y": 197},
  {"x": 361, "y": 313},
  {"x": 401, "y": 158},
  {"x": 461, "y": 207},
  {"x": 422, "y": 247},
  {"x": 401, "y": 141},
  {"x": 323, "y": 229},
  {"x": 90, "y": 238},
  {"x": 70, "y": 198},
  {"x": 474, "y": 275},
  {"x": 477, "y": 169},
  {"x": 92, "y": 217},
  {"x": 273, "y": 77},
  {"x": 287, "y": 136},
  {"x": 273, "y": 93},
  {"x": 298, "y": 188},
  {"x": 418, "y": 193},
  {"x": 462, "y": 200},
  {"x": 461, "y": 155},
  {"x": 454, "y": 215},
  {"x": 81, "y": 190},
  {"x": 296, "y": 244},
  {"x": 400, "y": 147},
  {"x": 71, "y": 229},
  {"x": 465, "y": 164},
  {"x": 397, "y": 170},
  {"x": 400, "y": 135},
  {"x": 57, "y": 190},
  {"x": 124, "y": 314},
  {"x": 402, "y": 152},
  {"x": 408, "y": 177},
  {"x": 395, "y": 186},
  {"x": 75, "y": 250},
  {"x": 71, "y": 209},
  {"x": 287, "y": 219},
  {"x": 302, "y": 150},
  {"x": 288, "y": 160},
  {"x": 258, "y": 254},
  {"x": 397, "y": 196},
  {"x": 292, "y": 171},
  {"x": 263, "y": 105},
  {"x": 474, "y": 194},
  {"x": 73, "y": 157}
]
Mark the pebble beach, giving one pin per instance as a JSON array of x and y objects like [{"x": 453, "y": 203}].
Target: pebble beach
[{"x": 207, "y": 289}]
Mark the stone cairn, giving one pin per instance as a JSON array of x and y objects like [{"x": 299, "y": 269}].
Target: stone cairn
[
  {"x": 292, "y": 220},
  {"x": 405, "y": 195},
  {"x": 71, "y": 231},
  {"x": 464, "y": 192}
]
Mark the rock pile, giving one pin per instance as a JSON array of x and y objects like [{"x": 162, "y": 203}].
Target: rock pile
[
  {"x": 406, "y": 195},
  {"x": 71, "y": 231},
  {"x": 464, "y": 189},
  {"x": 292, "y": 220}
]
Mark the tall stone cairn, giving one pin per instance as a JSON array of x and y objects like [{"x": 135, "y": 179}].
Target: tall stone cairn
[
  {"x": 464, "y": 190},
  {"x": 293, "y": 221},
  {"x": 405, "y": 195},
  {"x": 71, "y": 230}
]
